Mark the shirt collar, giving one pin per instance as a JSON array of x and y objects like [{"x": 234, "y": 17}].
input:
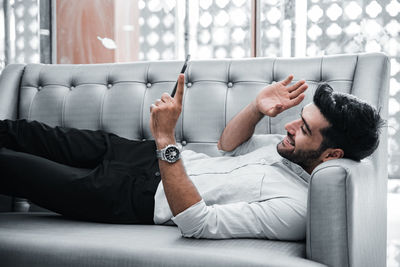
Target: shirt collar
[{"x": 297, "y": 169}]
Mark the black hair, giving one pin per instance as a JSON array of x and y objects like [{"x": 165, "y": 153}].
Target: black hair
[{"x": 355, "y": 125}]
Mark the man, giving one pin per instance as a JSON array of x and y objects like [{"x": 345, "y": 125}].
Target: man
[{"x": 258, "y": 189}]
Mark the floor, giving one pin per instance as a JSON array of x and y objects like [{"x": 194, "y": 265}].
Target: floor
[{"x": 393, "y": 249}]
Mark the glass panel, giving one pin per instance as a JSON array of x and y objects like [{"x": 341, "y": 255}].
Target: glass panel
[
  {"x": 159, "y": 29},
  {"x": 220, "y": 28},
  {"x": 2, "y": 33},
  {"x": 23, "y": 27},
  {"x": 25, "y": 31},
  {"x": 271, "y": 30}
]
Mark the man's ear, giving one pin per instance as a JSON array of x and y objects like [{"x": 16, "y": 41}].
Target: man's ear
[{"x": 333, "y": 153}]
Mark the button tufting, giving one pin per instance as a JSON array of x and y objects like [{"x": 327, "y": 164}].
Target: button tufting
[
  {"x": 109, "y": 85},
  {"x": 184, "y": 143},
  {"x": 157, "y": 173},
  {"x": 230, "y": 84},
  {"x": 189, "y": 85},
  {"x": 39, "y": 88},
  {"x": 148, "y": 85},
  {"x": 144, "y": 139},
  {"x": 72, "y": 87}
]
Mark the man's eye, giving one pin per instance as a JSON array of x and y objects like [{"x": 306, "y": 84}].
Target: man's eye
[{"x": 302, "y": 129}]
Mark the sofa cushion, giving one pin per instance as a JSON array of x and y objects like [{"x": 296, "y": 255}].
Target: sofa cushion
[{"x": 47, "y": 239}]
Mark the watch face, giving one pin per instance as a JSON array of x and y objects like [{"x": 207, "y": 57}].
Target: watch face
[{"x": 172, "y": 154}]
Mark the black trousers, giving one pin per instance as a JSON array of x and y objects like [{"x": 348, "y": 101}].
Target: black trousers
[{"x": 83, "y": 174}]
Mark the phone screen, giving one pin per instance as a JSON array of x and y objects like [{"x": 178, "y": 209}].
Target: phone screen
[{"x": 182, "y": 71}]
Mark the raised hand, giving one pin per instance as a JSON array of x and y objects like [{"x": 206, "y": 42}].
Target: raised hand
[
  {"x": 165, "y": 113},
  {"x": 278, "y": 97}
]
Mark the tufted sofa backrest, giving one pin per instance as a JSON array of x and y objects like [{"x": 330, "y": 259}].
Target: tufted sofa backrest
[{"x": 117, "y": 97}]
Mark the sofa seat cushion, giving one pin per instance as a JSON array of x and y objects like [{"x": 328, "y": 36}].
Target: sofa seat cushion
[{"x": 46, "y": 239}]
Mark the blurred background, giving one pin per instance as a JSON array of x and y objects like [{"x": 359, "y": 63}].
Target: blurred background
[{"x": 102, "y": 31}]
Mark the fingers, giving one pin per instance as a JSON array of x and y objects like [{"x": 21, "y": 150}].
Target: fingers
[
  {"x": 166, "y": 98},
  {"x": 296, "y": 92},
  {"x": 152, "y": 106},
  {"x": 297, "y": 100},
  {"x": 288, "y": 80},
  {"x": 179, "y": 91},
  {"x": 296, "y": 85},
  {"x": 156, "y": 105}
]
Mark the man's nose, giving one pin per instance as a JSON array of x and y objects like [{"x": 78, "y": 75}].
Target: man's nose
[{"x": 292, "y": 127}]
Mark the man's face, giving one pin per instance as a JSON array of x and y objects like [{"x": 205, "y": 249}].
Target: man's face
[{"x": 303, "y": 140}]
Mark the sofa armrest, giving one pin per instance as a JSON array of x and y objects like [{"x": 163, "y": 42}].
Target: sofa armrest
[
  {"x": 346, "y": 216},
  {"x": 10, "y": 80}
]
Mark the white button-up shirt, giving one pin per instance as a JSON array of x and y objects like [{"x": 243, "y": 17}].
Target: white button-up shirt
[{"x": 249, "y": 192}]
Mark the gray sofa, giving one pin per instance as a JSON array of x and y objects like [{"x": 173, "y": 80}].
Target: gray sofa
[{"x": 346, "y": 220}]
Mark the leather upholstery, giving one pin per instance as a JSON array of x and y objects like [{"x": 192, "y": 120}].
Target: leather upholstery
[
  {"x": 346, "y": 226},
  {"x": 41, "y": 239},
  {"x": 117, "y": 97},
  {"x": 9, "y": 90}
]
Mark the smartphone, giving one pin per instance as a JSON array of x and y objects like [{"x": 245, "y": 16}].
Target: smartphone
[{"x": 182, "y": 71}]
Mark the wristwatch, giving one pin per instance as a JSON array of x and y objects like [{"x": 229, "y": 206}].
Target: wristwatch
[{"x": 170, "y": 153}]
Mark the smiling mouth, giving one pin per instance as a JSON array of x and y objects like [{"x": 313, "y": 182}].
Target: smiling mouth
[{"x": 289, "y": 140}]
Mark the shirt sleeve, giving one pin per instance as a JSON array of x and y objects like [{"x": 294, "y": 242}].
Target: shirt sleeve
[
  {"x": 278, "y": 218},
  {"x": 255, "y": 142}
]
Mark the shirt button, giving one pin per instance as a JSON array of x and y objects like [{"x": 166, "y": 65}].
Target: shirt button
[
  {"x": 157, "y": 174},
  {"x": 298, "y": 170}
]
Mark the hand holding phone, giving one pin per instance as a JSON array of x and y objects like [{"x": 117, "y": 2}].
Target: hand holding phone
[{"x": 182, "y": 71}]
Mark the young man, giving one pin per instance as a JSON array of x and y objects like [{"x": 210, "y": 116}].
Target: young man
[{"x": 259, "y": 190}]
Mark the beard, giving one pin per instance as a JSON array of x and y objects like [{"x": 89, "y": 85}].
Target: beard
[{"x": 307, "y": 159}]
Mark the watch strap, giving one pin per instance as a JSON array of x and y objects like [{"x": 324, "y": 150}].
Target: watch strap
[{"x": 160, "y": 153}]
